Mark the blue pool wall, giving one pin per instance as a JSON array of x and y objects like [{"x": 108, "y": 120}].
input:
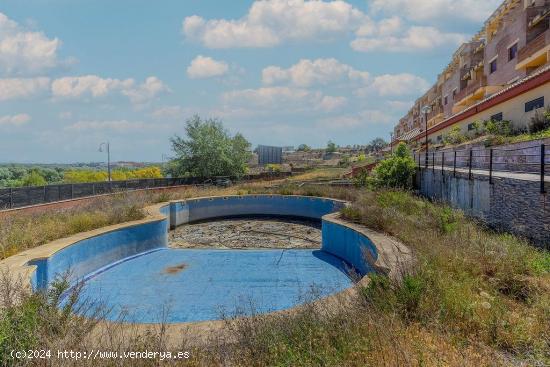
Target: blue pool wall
[
  {"x": 352, "y": 246},
  {"x": 194, "y": 210},
  {"x": 89, "y": 255}
]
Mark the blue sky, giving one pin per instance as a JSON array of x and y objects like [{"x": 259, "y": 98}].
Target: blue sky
[{"x": 74, "y": 73}]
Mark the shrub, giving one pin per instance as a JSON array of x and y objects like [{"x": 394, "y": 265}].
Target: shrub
[
  {"x": 502, "y": 128},
  {"x": 540, "y": 122},
  {"x": 272, "y": 167},
  {"x": 362, "y": 179},
  {"x": 455, "y": 136},
  {"x": 397, "y": 170},
  {"x": 33, "y": 179},
  {"x": 477, "y": 126}
]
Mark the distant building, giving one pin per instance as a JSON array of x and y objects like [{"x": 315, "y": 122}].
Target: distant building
[{"x": 269, "y": 155}]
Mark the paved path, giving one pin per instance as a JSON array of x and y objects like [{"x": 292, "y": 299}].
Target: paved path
[{"x": 511, "y": 175}]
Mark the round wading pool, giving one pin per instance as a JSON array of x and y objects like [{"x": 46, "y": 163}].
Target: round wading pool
[
  {"x": 184, "y": 285},
  {"x": 132, "y": 272}
]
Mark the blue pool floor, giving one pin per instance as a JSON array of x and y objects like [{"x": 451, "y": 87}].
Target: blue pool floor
[{"x": 184, "y": 285}]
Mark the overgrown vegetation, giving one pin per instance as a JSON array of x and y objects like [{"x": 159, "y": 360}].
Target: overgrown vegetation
[
  {"x": 475, "y": 298},
  {"x": 493, "y": 132},
  {"x": 208, "y": 151},
  {"x": 17, "y": 175},
  {"x": 396, "y": 171},
  {"x": 76, "y": 176}
]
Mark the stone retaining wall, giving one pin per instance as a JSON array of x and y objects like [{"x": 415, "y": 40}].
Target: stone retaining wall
[{"x": 511, "y": 205}]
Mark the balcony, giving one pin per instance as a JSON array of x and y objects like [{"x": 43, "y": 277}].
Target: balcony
[
  {"x": 473, "y": 90},
  {"x": 535, "y": 53},
  {"x": 435, "y": 116}
]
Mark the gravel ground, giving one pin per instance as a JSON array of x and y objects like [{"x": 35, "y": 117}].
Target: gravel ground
[{"x": 248, "y": 233}]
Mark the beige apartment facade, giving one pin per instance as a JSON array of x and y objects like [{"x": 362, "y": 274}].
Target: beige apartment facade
[{"x": 506, "y": 56}]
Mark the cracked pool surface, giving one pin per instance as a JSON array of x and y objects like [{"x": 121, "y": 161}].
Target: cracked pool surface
[{"x": 187, "y": 285}]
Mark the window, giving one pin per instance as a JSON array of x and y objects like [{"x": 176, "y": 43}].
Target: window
[
  {"x": 534, "y": 104},
  {"x": 439, "y": 138},
  {"x": 470, "y": 126},
  {"x": 513, "y": 52},
  {"x": 454, "y": 93},
  {"x": 446, "y": 100},
  {"x": 493, "y": 66},
  {"x": 497, "y": 117}
]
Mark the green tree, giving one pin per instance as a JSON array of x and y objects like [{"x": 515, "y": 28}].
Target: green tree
[
  {"x": 209, "y": 151},
  {"x": 376, "y": 145},
  {"x": 303, "y": 148},
  {"x": 33, "y": 178},
  {"x": 396, "y": 171},
  {"x": 331, "y": 147}
]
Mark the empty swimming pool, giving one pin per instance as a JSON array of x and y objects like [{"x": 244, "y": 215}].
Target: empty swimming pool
[{"x": 187, "y": 285}]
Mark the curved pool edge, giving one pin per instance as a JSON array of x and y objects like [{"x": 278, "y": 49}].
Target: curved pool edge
[{"x": 343, "y": 239}]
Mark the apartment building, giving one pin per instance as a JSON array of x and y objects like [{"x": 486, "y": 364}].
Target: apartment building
[{"x": 510, "y": 53}]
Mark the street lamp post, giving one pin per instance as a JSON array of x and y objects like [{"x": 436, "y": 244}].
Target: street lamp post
[
  {"x": 107, "y": 148},
  {"x": 426, "y": 110}
]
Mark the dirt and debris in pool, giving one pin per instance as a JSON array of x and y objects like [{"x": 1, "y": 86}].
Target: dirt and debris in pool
[{"x": 248, "y": 233}]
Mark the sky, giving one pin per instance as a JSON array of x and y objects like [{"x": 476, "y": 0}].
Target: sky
[{"x": 75, "y": 73}]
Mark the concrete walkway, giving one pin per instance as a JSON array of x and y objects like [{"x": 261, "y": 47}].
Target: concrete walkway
[{"x": 501, "y": 174}]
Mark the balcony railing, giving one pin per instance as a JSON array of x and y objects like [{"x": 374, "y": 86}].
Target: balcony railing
[
  {"x": 535, "y": 45},
  {"x": 471, "y": 88},
  {"x": 434, "y": 112}
]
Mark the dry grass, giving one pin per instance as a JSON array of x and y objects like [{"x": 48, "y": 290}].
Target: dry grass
[
  {"x": 21, "y": 230},
  {"x": 320, "y": 174},
  {"x": 476, "y": 298}
]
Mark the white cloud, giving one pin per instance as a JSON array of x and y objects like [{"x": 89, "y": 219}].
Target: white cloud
[
  {"x": 383, "y": 27},
  {"x": 148, "y": 90},
  {"x": 395, "y": 85},
  {"x": 22, "y": 87},
  {"x": 206, "y": 67},
  {"x": 330, "y": 103},
  {"x": 23, "y": 51},
  {"x": 422, "y": 10},
  {"x": 269, "y": 23},
  {"x": 115, "y": 125},
  {"x": 95, "y": 86},
  {"x": 280, "y": 99},
  {"x": 414, "y": 39},
  {"x": 14, "y": 120},
  {"x": 306, "y": 73}
]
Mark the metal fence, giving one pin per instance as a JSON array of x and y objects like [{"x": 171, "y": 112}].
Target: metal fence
[
  {"x": 533, "y": 160},
  {"x": 25, "y": 196}
]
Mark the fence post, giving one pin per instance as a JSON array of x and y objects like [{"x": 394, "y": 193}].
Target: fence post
[
  {"x": 11, "y": 197},
  {"x": 470, "y": 166},
  {"x": 426, "y": 158},
  {"x": 491, "y": 166},
  {"x": 454, "y": 166},
  {"x": 433, "y": 162},
  {"x": 93, "y": 188},
  {"x": 44, "y": 194},
  {"x": 542, "y": 163},
  {"x": 72, "y": 191},
  {"x": 442, "y": 162}
]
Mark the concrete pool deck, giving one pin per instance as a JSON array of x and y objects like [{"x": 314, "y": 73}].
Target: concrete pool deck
[{"x": 366, "y": 250}]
